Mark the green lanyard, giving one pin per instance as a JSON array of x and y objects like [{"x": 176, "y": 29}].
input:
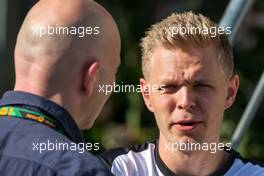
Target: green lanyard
[{"x": 22, "y": 113}]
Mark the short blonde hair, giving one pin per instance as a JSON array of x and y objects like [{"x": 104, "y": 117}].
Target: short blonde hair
[{"x": 195, "y": 35}]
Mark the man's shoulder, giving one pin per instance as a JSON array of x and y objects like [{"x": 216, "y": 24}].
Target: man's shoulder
[
  {"x": 143, "y": 159},
  {"x": 242, "y": 166},
  {"x": 36, "y": 148}
]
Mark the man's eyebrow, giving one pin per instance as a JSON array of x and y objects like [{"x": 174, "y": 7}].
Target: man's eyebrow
[
  {"x": 191, "y": 81},
  {"x": 201, "y": 80},
  {"x": 168, "y": 81}
]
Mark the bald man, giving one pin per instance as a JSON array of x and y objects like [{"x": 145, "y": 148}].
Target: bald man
[{"x": 64, "y": 51}]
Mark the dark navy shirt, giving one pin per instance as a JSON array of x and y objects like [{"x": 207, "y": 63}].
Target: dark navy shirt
[{"x": 22, "y": 139}]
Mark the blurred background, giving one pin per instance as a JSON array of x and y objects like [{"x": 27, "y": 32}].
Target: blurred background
[{"x": 125, "y": 120}]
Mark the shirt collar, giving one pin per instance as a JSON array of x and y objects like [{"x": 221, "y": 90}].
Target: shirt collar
[
  {"x": 220, "y": 171},
  {"x": 54, "y": 110}
]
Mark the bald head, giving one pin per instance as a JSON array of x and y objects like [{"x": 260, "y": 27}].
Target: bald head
[{"x": 64, "y": 48}]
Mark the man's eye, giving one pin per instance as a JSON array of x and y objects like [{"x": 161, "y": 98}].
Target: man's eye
[
  {"x": 168, "y": 89},
  {"x": 202, "y": 86}
]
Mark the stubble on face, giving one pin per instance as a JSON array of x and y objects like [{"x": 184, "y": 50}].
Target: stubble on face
[{"x": 189, "y": 76}]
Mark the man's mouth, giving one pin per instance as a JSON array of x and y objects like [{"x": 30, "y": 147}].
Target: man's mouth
[{"x": 186, "y": 125}]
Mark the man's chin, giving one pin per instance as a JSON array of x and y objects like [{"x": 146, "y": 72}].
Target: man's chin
[{"x": 186, "y": 139}]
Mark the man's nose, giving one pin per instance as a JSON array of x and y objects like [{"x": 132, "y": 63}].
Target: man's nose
[{"x": 185, "y": 99}]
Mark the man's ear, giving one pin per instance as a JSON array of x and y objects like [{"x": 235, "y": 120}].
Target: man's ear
[
  {"x": 145, "y": 90},
  {"x": 232, "y": 91},
  {"x": 90, "y": 77}
]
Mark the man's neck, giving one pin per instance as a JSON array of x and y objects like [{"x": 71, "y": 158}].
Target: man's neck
[
  {"x": 59, "y": 98},
  {"x": 192, "y": 162}
]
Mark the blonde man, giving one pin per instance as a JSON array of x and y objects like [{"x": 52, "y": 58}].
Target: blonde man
[{"x": 188, "y": 83}]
